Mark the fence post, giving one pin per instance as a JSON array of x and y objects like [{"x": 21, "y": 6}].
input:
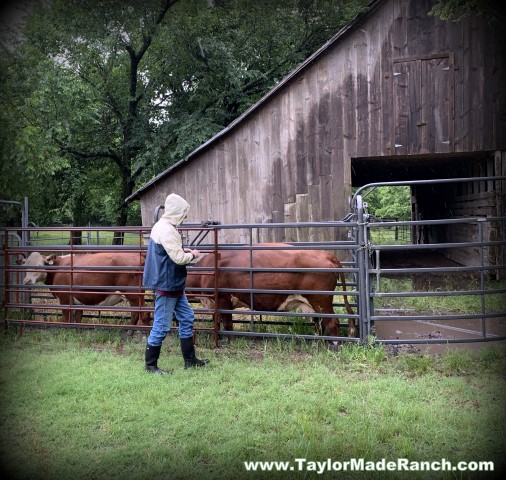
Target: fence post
[
  {"x": 363, "y": 297},
  {"x": 481, "y": 223}
]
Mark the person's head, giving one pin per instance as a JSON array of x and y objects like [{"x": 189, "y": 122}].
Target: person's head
[{"x": 176, "y": 209}]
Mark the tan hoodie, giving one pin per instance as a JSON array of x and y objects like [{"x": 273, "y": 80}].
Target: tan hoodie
[{"x": 165, "y": 232}]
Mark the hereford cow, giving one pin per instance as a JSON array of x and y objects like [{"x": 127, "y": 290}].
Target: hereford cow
[
  {"x": 89, "y": 281},
  {"x": 274, "y": 259}
]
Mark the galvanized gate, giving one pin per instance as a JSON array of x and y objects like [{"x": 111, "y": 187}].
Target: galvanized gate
[{"x": 466, "y": 303}]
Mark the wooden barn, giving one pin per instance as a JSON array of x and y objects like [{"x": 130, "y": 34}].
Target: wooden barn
[{"x": 395, "y": 95}]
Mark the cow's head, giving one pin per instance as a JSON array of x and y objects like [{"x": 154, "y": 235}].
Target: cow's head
[{"x": 35, "y": 259}]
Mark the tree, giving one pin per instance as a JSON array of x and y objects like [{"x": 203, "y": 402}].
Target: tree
[
  {"x": 390, "y": 202},
  {"x": 455, "y": 10},
  {"x": 100, "y": 96},
  {"x": 88, "y": 99},
  {"x": 227, "y": 57}
]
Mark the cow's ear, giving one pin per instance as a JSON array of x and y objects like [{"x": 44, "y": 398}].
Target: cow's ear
[
  {"x": 49, "y": 260},
  {"x": 21, "y": 259}
]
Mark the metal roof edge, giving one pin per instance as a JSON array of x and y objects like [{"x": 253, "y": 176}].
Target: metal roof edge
[{"x": 371, "y": 8}]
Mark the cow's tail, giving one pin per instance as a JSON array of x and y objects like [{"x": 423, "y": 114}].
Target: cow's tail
[
  {"x": 352, "y": 331},
  {"x": 345, "y": 297},
  {"x": 352, "y": 328}
]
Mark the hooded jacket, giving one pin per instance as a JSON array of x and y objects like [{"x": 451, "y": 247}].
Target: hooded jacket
[{"x": 165, "y": 267}]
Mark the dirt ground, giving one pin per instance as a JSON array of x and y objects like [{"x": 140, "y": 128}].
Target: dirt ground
[
  {"x": 434, "y": 329},
  {"x": 399, "y": 259}
]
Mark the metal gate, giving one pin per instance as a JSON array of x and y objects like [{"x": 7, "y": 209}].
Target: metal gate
[
  {"x": 395, "y": 302},
  {"x": 465, "y": 303}
]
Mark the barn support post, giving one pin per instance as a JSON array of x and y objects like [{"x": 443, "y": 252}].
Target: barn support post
[{"x": 362, "y": 266}]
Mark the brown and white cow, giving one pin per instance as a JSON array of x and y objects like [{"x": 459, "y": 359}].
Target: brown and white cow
[
  {"x": 88, "y": 285},
  {"x": 310, "y": 280}
]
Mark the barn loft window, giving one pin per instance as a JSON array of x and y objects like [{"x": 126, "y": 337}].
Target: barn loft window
[{"x": 423, "y": 105}]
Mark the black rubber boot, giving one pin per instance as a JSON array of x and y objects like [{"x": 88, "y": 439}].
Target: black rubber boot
[
  {"x": 188, "y": 351},
  {"x": 152, "y": 354}
]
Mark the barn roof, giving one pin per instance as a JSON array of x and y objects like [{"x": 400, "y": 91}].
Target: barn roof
[{"x": 371, "y": 8}]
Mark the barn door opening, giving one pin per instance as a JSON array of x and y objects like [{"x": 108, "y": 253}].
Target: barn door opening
[{"x": 423, "y": 105}]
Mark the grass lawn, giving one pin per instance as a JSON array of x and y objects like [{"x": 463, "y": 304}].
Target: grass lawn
[
  {"x": 78, "y": 405},
  {"x": 92, "y": 237}
]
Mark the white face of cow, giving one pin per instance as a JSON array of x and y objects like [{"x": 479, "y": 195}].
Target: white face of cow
[{"x": 35, "y": 259}]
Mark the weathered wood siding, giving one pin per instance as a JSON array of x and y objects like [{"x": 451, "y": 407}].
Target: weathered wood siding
[
  {"x": 398, "y": 82},
  {"x": 467, "y": 200}
]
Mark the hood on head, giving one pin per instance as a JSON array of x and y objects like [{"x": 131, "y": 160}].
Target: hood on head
[{"x": 176, "y": 209}]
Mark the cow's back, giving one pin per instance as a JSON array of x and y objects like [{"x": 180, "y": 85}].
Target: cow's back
[
  {"x": 272, "y": 259},
  {"x": 103, "y": 260}
]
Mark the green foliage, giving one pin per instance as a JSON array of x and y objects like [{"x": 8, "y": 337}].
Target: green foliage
[
  {"x": 361, "y": 355},
  {"x": 456, "y": 10},
  {"x": 390, "y": 202},
  {"x": 98, "y": 97}
]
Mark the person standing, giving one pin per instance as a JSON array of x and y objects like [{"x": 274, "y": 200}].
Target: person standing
[{"x": 165, "y": 274}]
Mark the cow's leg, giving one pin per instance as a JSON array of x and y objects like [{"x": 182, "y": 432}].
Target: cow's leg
[
  {"x": 330, "y": 325},
  {"x": 69, "y": 315},
  {"x": 318, "y": 325},
  {"x": 72, "y": 316},
  {"x": 324, "y": 325},
  {"x": 134, "y": 318},
  {"x": 75, "y": 316},
  {"x": 225, "y": 303},
  {"x": 352, "y": 329},
  {"x": 144, "y": 317},
  {"x": 78, "y": 315}
]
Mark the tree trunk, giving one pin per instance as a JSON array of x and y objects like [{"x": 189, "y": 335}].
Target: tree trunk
[
  {"x": 77, "y": 238},
  {"x": 126, "y": 189}
]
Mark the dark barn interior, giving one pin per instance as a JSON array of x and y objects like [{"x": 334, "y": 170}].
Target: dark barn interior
[{"x": 440, "y": 201}]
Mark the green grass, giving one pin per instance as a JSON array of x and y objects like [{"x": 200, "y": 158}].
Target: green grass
[
  {"x": 494, "y": 302},
  {"x": 102, "y": 237},
  {"x": 79, "y": 405},
  {"x": 400, "y": 235}
]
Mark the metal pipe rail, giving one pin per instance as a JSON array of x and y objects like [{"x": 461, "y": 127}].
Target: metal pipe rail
[
  {"x": 359, "y": 247},
  {"x": 20, "y": 289},
  {"x": 407, "y": 183}
]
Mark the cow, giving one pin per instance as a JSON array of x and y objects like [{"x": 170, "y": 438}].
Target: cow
[
  {"x": 88, "y": 285},
  {"x": 277, "y": 258}
]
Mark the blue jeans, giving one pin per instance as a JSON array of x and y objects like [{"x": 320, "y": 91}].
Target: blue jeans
[{"x": 165, "y": 308}]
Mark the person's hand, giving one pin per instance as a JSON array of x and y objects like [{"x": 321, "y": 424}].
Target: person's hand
[{"x": 195, "y": 253}]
